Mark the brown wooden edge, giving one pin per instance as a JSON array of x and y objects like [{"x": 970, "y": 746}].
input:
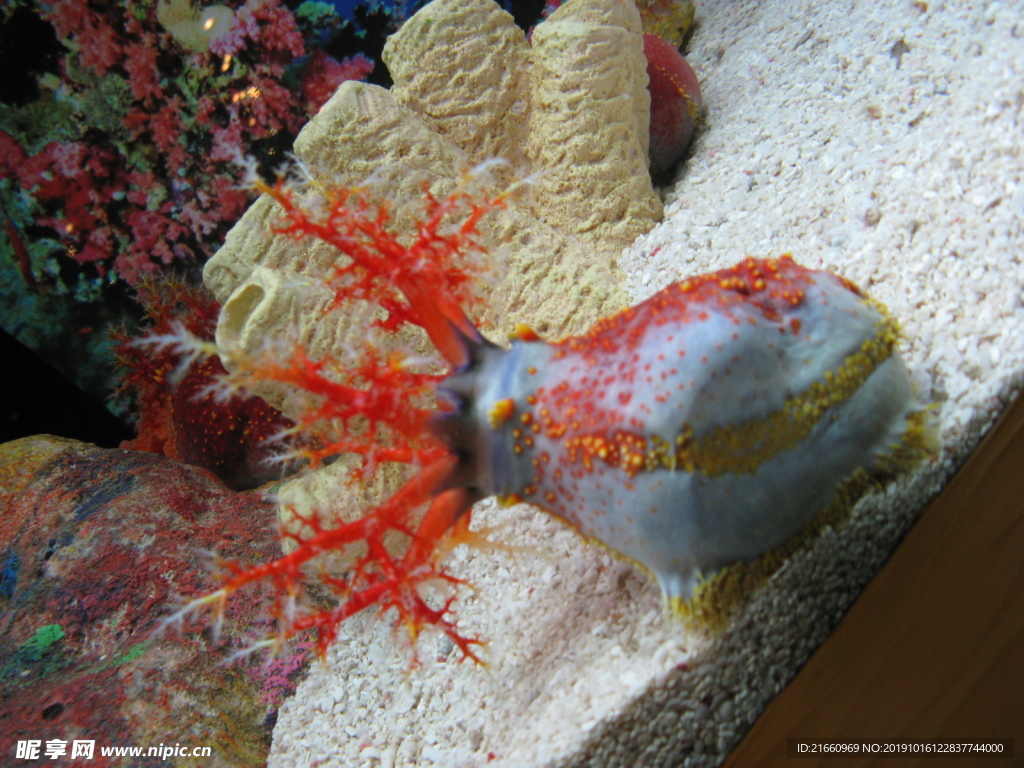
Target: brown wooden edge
[{"x": 934, "y": 647}]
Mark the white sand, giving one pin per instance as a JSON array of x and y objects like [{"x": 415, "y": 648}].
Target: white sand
[{"x": 907, "y": 179}]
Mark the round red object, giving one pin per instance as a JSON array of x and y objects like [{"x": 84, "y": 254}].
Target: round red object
[{"x": 675, "y": 103}]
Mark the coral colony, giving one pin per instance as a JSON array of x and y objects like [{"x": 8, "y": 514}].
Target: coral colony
[
  {"x": 118, "y": 142},
  {"x": 129, "y": 154},
  {"x": 697, "y": 430}
]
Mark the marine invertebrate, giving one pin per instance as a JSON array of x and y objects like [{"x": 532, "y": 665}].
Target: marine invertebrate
[
  {"x": 675, "y": 104},
  {"x": 700, "y": 428},
  {"x": 177, "y": 413},
  {"x": 374, "y": 406}
]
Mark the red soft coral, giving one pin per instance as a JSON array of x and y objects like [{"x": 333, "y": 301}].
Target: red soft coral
[
  {"x": 141, "y": 64},
  {"x": 165, "y": 128},
  {"x": 68, "y": 17},
  {"x": 279, "y": 32},
  {"x": 273, "y": 107},
  {"x": 227, "y": 140},
  {"x": 71, "y": 174},
  {"x": 140, "y": 185},
  {"x": 225, "y": 198},
  {"x": 12, "y": 155},
  {"x": 271, "y": 28},
  {"x": 100, "y": 245},
  {"x": 134, "y": 267},
  {"x": 325, "y": 73},
  {"x": 67, "y": 158},
  {"x": 100, "y": 46},
  {"x": 153, "y": 232}
]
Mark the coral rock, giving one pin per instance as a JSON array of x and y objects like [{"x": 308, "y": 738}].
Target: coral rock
[
  {"x": 589, "y": 122},
  {"x": 94, "y": 545},
  {"x": 487, "y": 113}
]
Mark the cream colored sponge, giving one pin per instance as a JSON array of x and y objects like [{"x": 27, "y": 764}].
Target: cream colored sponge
[{"x": 569, "y": 113}]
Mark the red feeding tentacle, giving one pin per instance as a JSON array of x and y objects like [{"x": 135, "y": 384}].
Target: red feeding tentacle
[
  {"x": 377, "y": 408},
  {"x": 424, "y": 272},
  {"x": 439, "y": 521},
  {"x": 447, "y": 326},
  {"x": 380, "y": 578}
]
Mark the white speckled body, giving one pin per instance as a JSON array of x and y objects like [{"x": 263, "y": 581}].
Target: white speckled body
[{"x": 701, "y": 427}]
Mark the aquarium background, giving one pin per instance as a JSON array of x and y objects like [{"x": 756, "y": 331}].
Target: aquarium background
[{"x": 121, "y": 126}]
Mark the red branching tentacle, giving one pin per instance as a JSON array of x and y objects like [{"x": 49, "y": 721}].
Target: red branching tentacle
[
  {"x": 421, "y": 271},
  {"x": 377, "y": 419},
  {"x": 378, "y": 579},
  {"x": 378, "y": 408}
]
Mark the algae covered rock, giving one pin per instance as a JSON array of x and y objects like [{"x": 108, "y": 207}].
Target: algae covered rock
[{"x": 95, "y": 544}]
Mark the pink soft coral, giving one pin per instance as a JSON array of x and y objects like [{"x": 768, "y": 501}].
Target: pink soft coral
[
  {"x": 272, "y": 26},
  {"x": 188, "y": 116},
  {"x": 141, "y": 64},
  {"x": 101, "y": 49},
  {"x": 325, "y": 73}
]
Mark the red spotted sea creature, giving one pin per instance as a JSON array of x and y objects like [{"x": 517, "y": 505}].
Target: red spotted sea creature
[
  {"x": 676, "y": 104},
  {"x": 180, "y": 414},
  {"x": 701, "y": 428}
]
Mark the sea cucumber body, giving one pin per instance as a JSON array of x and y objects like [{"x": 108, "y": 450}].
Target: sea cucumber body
[{"x": 703, "y": 426}]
